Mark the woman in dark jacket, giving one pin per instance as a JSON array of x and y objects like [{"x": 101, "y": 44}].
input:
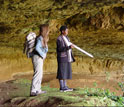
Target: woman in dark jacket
[{"x": 64, "y": 59}]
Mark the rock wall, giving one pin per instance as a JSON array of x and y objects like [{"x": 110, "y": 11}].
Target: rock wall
[
  {"x": 86, "y": 65},
  {"x": 94, "y": 25},
  {"x": 21, "y": 16}
]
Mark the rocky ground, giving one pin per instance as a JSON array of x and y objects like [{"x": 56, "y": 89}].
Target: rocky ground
[{"x": 89, "y": 90}]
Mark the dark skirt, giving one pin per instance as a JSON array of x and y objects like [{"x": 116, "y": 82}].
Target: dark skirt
[{"x": 64, "y": 71}]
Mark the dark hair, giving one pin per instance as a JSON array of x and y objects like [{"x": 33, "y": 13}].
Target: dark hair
[{"x": 63, "y": 28}]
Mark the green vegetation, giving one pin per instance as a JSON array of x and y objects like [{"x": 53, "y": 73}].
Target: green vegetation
[
  {"x": 121, "y": 85},
  {"x": 79, "y": 97}
]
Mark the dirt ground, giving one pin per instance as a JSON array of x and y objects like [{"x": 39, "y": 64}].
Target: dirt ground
[
  {"x": 81, "y": 80},
  {"x": 78, "y": 80}
]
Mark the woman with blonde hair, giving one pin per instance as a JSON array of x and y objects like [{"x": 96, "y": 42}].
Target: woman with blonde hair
[{"x": 40, "y": 53}]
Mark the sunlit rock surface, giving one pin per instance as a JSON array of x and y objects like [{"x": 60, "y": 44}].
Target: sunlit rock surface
[{"x": 96, "y": 26}]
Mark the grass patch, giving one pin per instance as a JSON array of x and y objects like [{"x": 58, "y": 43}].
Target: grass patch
[{"x": 79, "y": 97}]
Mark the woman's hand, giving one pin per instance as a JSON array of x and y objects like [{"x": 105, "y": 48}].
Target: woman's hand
[{"x": 72, "y": 46}]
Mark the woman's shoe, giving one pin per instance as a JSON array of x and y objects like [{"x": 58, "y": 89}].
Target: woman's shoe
[
  {"x": 41, "y": 92},
  {"x": 33, "y": 94},
  {"x": 71, "y": 89},
  {"x": 37, "y": 93},
  {"x": 66, "y": 89}
]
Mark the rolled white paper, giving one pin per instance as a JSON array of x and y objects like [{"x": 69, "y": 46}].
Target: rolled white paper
[{"x": 81, "y": 50}]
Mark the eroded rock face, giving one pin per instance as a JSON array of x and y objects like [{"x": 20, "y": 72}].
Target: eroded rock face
[
  {"x": 86, "y": 65},
  {"x": 18, "y": 17},
  {"x": 94, "y": 25}
]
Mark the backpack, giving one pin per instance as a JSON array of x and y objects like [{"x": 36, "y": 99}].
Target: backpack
[{"x": 29, "y": 44}]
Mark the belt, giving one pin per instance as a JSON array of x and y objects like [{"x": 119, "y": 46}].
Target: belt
[{"x": 36, "y": 53}]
